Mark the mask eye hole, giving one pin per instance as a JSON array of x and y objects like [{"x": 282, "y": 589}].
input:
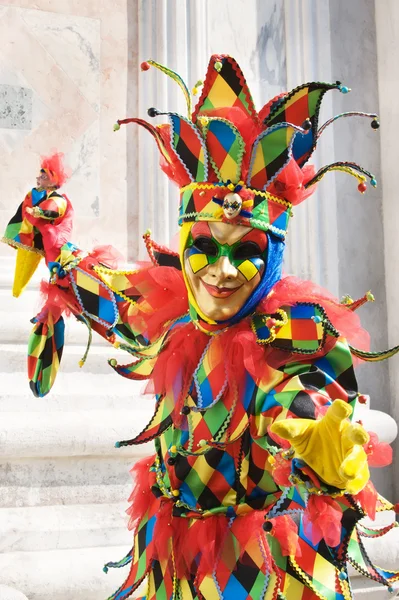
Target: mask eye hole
[
  {"x": 247, "y": 250},
  {"x": 206, "y": 246}
]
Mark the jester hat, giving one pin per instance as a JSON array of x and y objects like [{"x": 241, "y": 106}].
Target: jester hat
[{"x": 236, "y": 165}]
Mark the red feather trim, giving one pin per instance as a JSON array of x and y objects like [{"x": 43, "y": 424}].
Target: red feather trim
[
  {"x": 57, "y": 301},
  {"x": 141, "y": 496},
  {"x": 53, "y": 165},
  {"x": 286, "y": 533},
  {"x": 379, "y": 454},
  {"x": 322, "y": 519},
  {"x": 367, "y": 499},
  {"x": 107, "y": 255}
]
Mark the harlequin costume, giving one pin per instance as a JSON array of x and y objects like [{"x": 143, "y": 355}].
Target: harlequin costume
[
  {"x": 259, "y": 481},
  {"x": 244, "y": 498}
]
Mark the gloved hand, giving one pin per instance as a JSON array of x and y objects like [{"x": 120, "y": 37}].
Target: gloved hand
[{"x": 332, "y": 446}]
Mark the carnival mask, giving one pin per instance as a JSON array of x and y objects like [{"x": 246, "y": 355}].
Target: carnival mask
[{"x": 224, "y": 264}]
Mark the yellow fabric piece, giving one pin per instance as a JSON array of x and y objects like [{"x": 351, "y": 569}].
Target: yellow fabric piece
[
  {"x": 26, "y": 264},
  {"x": 331, "y": 446}
]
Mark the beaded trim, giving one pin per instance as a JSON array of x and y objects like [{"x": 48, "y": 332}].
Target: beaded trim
[{"x": 18, "y": 245}]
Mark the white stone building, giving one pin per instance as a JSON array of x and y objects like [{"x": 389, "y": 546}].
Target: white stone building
[{"x": 68, "y": 70}]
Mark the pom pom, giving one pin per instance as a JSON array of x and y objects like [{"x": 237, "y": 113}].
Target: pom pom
[
  {"x": 375, "y": 124},
  {"x": 307, "y": 124},
  {"x": 145, "y": 66},
  {"x": 117, "y": 127},
  {"x": 152, "y": 112},
  {"x": 267, "y": 526},
  {"x": 362, "y": 187}
]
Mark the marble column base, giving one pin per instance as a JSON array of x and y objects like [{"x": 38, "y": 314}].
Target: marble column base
[{"x": 8, "y": 593}]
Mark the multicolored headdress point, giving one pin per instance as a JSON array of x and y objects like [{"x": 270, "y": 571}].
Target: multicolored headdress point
[{"x": 239, "y": 166}]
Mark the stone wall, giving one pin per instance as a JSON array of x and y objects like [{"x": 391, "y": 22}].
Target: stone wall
[{"x": 63, "y": 78}]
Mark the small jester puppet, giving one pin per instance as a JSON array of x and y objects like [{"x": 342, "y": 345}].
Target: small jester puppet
[
  {"x": 260, "y": 479},
  {"x": 42, "y": 223}
]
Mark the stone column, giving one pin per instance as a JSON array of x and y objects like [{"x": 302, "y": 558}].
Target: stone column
[{"x": 387, "y": 25}]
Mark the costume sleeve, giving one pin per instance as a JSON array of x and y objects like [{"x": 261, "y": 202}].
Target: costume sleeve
[
  {"x": 310, "y": 385},
  {"x": 305, "y": 392},
  {"x": 53, "y": 207}
]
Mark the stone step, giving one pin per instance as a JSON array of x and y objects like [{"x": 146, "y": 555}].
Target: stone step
[
  {"x": 16, "y": 313},
  {"x": 77, "y": 574},
  {"x": 13, "y": 358},
  {"x": 16, "y": 328},
  {"x": 80, "y": 391},
  {"x": 67, "y": 480},
  {"x": 365, "y": 589},
  {"x": 8, "y": 593},
  {"x": 74, "y": 574},
  {"x": 40, "y": 528},
  {"x": 75, "y": 433}
]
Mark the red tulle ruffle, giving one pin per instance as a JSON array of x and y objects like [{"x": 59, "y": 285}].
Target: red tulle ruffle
[
  {"x": 322, "y": 519},
  {"x": 107, "y": 255},
  {"x": 57, "y": 301},
  {"x": 367, "y": 499},
  {"x": 379, "y": 454}
]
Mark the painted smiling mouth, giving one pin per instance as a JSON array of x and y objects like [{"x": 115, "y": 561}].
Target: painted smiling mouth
[{"x": 219, "y": 292}]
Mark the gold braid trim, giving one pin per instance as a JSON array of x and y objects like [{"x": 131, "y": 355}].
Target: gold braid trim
[
  {"x": 17, "y": 245},
  {"x": 211, "y": 186}
]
